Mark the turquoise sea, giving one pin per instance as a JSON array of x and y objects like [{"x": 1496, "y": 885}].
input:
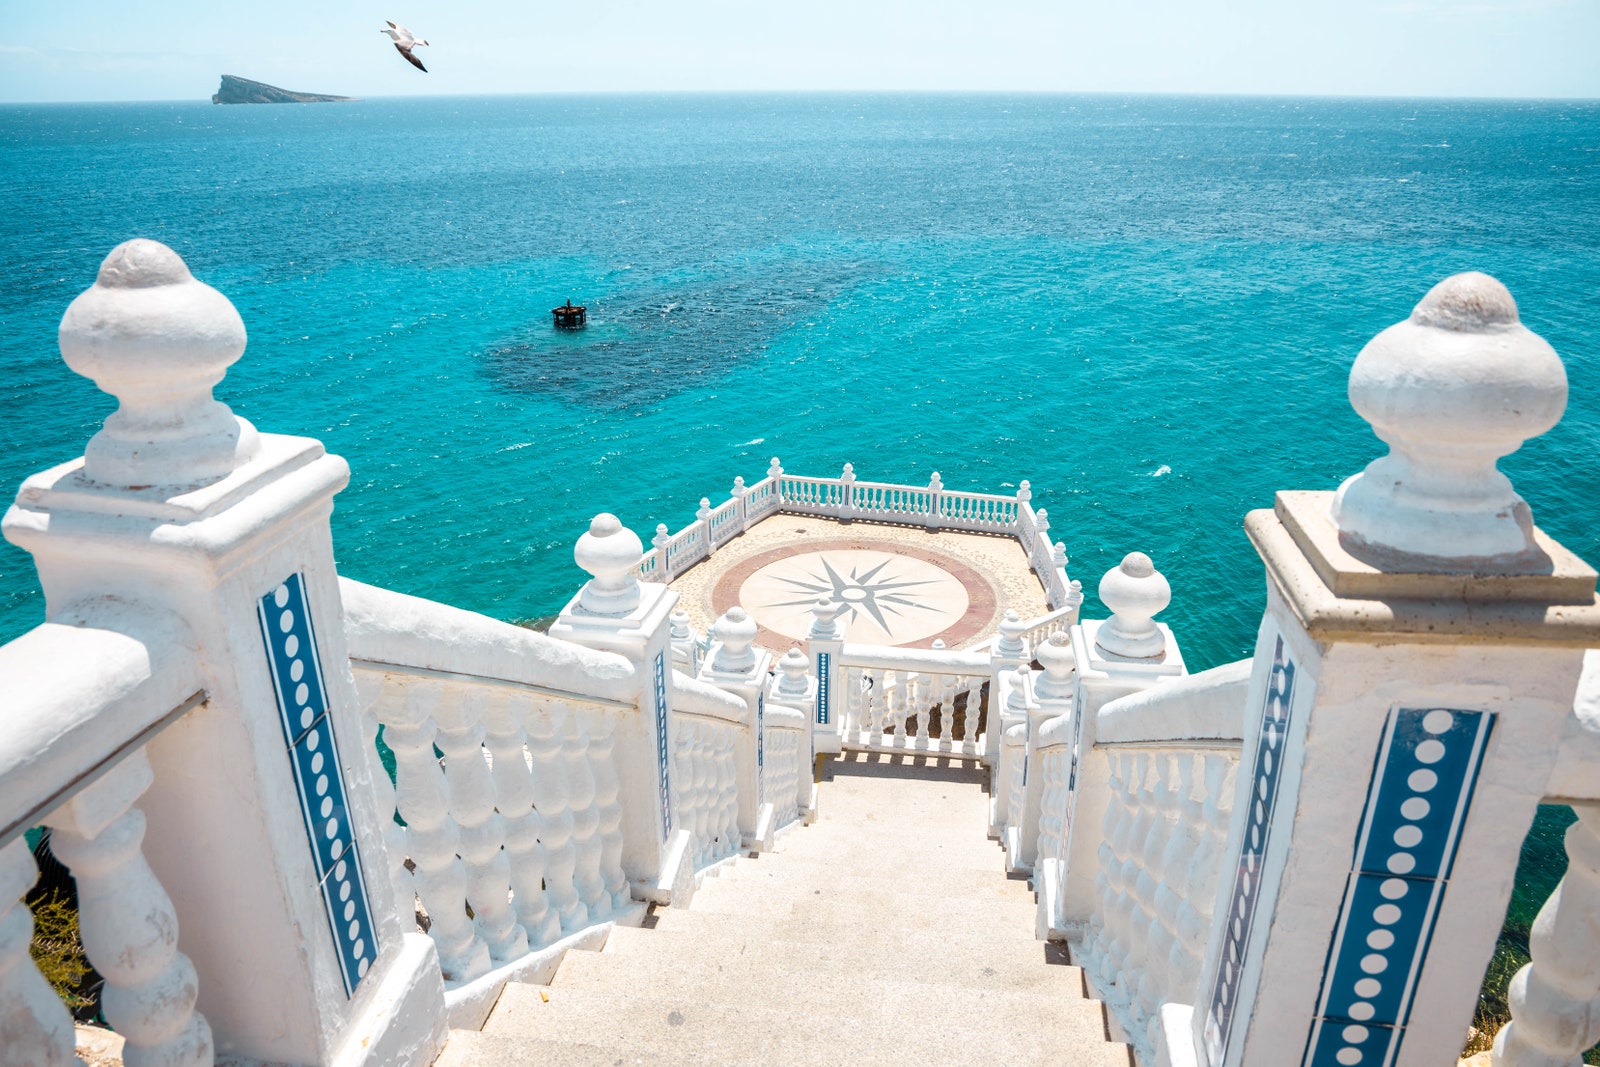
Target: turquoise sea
[{"x": 1146, "y": 305}]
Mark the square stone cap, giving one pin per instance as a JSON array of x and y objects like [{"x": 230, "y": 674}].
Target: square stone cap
[
  {"x": 1560, "y": 578},
  {"x": 1338, "y": 597}
]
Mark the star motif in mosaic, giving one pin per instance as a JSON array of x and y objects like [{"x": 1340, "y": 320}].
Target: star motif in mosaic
[
  {"x": 888, "y": 598},
  {"x": 873, "y": 590}
]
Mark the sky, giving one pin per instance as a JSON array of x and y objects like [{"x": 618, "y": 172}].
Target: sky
[{"x": 94, "y": 50}]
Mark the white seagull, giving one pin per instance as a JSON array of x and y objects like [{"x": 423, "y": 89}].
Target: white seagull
[{"x": 404, "y": 42}]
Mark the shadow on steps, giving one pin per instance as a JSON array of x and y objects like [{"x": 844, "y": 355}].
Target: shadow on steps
[{"x": 924, "y": 767}]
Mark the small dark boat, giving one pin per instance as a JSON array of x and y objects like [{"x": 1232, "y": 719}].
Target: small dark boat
[{"x": 570, "y": 316}]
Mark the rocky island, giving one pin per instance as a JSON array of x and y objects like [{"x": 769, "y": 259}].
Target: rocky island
[{"x": 235, "y": 90}]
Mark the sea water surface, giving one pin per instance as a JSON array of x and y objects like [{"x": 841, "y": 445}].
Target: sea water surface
[{"x": 1147, "y": 306}]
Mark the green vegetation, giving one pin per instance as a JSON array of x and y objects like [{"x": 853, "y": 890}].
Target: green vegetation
[
  {"x": 57, "y": 950},
  {"x": 1543, "y": 862}
]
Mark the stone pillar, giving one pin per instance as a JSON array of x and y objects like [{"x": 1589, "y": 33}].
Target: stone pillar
[
  {"x": 737, "y": 666},
  {"x": 775, "y": 472},
  {"x": 824, "y": 644},
  {"x": 262, "y": 819},
  {"x": 685, "y": 645},
  {"x": 795, "y": 687},
  {"x": 616, "y": 612},
  {"x": 1413, "y": 673},
  {"x": 738, "y": 494},
  {"x": 1009, "y": 654},
  {"x": 659, "y": 544},
  {"x": 847, "y": 494},
  {"x": 935, "y": 501},
  {"x": 1127, "y": 653},
  {"x": 1053, "y": 692}
]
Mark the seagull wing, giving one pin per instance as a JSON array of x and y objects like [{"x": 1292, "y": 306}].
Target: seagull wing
[{"x": 413, "y": 60}]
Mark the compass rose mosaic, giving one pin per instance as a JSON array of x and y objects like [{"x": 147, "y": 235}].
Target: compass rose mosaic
[{"x": 888, "y": 598}]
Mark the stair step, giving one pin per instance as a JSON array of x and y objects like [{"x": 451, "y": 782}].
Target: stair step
[
  {"x": 987, "y": 879},
  {"x": 683, "y": 1028},
  {"x": 995, "y": 917},
  {"x": 743, "y": 980},
  {"x": 926, "y": 922},
  {"x": 985, "y": 964},
  {"x": 474, "y": 1048}
]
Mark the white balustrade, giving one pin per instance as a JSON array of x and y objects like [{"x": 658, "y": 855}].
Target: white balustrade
[
  {"x": 1171, "y": 755},
  {"x": 787, "y": 763},
  {"x": 507, "y": 739},
  {"x": 846, "y": 498},
  {"x": 127, "y": 922},
  {"x": 1555, "y": 1000},
  {"x": 892, "y": 695},
  {"x": 704, "y": 778},
  {"x": 34, "y": 1025}
]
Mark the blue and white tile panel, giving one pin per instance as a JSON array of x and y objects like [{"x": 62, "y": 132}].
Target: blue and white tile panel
[
  {"x": 297, "y": 679},
  {"x": 663, "y": 743},
  {"x": 1421, "y": 790},
  {"x": 1266, "y": 776},
  {"x": 761, "y": 747},
  {"x": 822, "y": 688}
]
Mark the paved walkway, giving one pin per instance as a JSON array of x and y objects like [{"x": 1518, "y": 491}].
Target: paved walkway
[
  {"x": 886, "y": 933},
  {"x": 901, "y": 585}
]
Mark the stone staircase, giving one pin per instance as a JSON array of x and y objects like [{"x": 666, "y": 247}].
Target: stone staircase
[{"x": 885, "y": 933}]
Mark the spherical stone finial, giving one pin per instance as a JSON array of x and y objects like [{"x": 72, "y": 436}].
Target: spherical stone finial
[
  {"x": 1135, "y": 592},
  {"x": 794, "y": 665},
  {"x": 156, "y": 338},
  {"x": 1058, "y": 660},
  {"x": 609, "y": 552},
  {"x": 1011, "y": 630},
  {"x": 824, "y": 614},
  {"x": 1451, "y": 389},
  {"x": 680, "y": 628},
  {"x": 736, "y": 632}
]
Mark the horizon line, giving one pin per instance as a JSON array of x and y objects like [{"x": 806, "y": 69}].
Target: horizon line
[{"x": 1189, "y": 93}]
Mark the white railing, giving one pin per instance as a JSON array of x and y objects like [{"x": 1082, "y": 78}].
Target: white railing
[
  {"x": 913, "y": 700},
  {"x": 1173, "y": 753},
  {"x": 84, "y": 695},
  {"x": 786, "y": 760},
  {"x": 707, "y": 732},
  {"x": 520, "y": 820},
  {"x": 845, "y": 498}
]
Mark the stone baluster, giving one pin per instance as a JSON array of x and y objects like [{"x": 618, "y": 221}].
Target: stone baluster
[
  {"x": 877, "y": 704},
  {"x": 948, "y": 741},
  {"x": 935, "y": 501},
  {"x": 586, "y": 844},
  {"x": 847, "y": 486},
  {"x": 1173, "y": 909},
  {"x": 921, "y": 701},
  {"x": 608, "y": 803},
  {"x": 1555, "y": 1000},
  {"x": 1119, "y": 916},
  {"x": 423, "y": 797},
  {"x": 480, "y": 828},
  {"x": 34, "y": 1025},
  {"x": 1097, "y": 940},
  {"x": 854, "y": 711},
  {"x": 659, "y": 544},
  {"x": 551, "y": 796},
  {"x": 513, "y": 792},
  {"x": 126, "y": 920},
  {"x": 371, "y": 688},
  {"x": 686, "y": 788},
  {"x": 1156, "y": 908},
  {"x": 1198, "y": 905}
]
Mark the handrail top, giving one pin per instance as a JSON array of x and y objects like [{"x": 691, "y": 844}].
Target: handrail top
[
  {"x": 699, "y": 699},
  {"x": 785, "y": 717},
  {"x": 922, "y": 660},
  {"x": 387, "y": 628},
  {"x": 1209, "y": 706},
  {"x": 79, "y": 691}
]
